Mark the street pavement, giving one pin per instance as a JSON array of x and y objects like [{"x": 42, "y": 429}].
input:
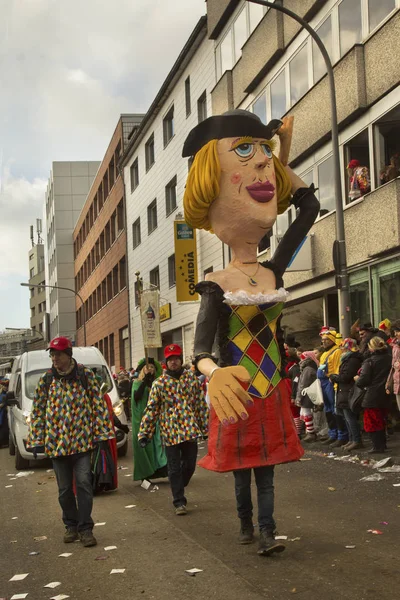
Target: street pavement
[{"x": 321, "y": 505}]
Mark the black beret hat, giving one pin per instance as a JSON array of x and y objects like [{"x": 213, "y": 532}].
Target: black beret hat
[{"x": 232, "y": 123}]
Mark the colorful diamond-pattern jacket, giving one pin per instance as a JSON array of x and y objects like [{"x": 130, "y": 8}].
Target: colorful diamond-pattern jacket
[
  {"x": 180, "y": 407},
  {"x": 67, "y": 419}
]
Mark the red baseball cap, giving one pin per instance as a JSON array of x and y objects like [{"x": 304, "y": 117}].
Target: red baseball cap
[
  {"x": 172, "y": 350},
  {"x": 60, "y": 343}
]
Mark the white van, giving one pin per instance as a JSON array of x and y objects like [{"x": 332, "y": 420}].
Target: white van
[{"x": 26, "y": 372}]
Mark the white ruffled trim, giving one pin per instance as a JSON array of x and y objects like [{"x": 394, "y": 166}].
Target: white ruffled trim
[{"x": 241, "y": 297}]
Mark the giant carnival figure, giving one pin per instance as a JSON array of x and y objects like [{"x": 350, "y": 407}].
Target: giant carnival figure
[{"x": 236, "y": 187}]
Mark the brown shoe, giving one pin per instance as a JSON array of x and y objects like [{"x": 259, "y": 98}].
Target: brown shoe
[
  {"x": 353, "y": 446},
  {"x": 87, "y": 538},
  {"x": 310, "y": 438},
  {"x": 338, "y": 444},
  {"x": 70, "y": 535},
  {"x": 268, "y": 545},
  {"x": 246, "y": 535}
]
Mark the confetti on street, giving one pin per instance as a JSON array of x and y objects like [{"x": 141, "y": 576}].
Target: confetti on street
[
  {"x": 117, "y": 571},
  {"x": 52, "y": 584},
  {"x": 19, "y": 577}
]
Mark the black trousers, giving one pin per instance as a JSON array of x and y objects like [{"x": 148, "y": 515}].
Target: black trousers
[{"x": 181, "y": 460}]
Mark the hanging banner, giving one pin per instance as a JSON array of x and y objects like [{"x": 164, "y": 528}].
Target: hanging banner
[
  {"x": 185, "y": 262},
  {"x": 150, "y": 315}
]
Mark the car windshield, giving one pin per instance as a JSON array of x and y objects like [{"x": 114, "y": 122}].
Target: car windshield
[{"x": 32, "y": 379}]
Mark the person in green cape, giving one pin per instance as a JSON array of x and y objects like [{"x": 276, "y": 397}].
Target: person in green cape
[{"x": 149, "y": 462}]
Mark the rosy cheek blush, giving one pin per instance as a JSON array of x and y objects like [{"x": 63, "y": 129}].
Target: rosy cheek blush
[{"x": 236, "y": 178}]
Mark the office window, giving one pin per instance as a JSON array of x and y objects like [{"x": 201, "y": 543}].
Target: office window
[
  {"x": 120, "y": 216},
  {"x": 113, "y": 227},
  {"x": 105, "y": 186},
  {"x": 325, "y": 33},
  {"x": 109, "y": 287},
  {"x": 136, "y": 237},
  {"x": 240, "y": 33},
  {"x": 187, "y": 97},
  {"x": 170, "y": 196},
  {"x": 358, "y": 183},
  {"x": 298, "y": 68},
  {"x": 155, "y": 277},
  {"x": 152, "y": 216},
  {"x": 32, "y": 291},
  {"x": 387, "y": 146},
  {"x": 168, "y": 126},
  {"x": 379, "y": 10},
  {"x": 111, "y": 172},
  {"x": 278, "y": 96},
  {"x": 32, "y": 272},
  {"x": 350, "y": 32},
  {"x": 32, "y": 311},
  {"x": 134, "y": 171},
  {"x": 256, "y": 14},
  {"x": 326, "y": 187},
  {"x": 226, "y": 53},
  {"x": 112, "y": 352},
  {"x": 122, "y": 273},
  {"x": 171, "y": 271},
  {"x": 149, "y": 152},
  {"x": 115, "y": 278},
  {"x": 202, "y": 107},
  {"x": 260, "y": 108}
]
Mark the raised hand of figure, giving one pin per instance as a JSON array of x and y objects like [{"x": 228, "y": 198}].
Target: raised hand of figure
[
  {"x": 285, "y": 133},
  {"x": 227, "y": 396}
]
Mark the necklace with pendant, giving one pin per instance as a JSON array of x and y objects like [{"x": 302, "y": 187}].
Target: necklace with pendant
[{"x": 250, "y": 278}]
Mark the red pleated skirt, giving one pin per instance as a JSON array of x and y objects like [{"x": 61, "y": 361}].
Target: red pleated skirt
[{"x": 267, "y": 437}]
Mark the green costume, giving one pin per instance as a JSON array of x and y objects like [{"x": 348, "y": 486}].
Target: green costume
[{"x": 150, "y": 461}]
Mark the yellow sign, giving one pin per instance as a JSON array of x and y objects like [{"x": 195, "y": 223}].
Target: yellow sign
[
  {"x": 165, "y": 312},
  {"x": 185, "y": 262}
]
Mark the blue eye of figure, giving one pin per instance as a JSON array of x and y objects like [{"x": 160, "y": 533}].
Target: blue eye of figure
[
  {"x": 244, "y": 150},
  {"x": 267, "y": 150}
]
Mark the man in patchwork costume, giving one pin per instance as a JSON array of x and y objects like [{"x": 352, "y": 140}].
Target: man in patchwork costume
[
  {"x": 69, "y": 417},
  {"x": 177, "y": 402}
]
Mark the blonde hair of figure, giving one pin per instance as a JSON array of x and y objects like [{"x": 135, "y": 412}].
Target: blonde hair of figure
[
  {"x": 202, "y": 186},
  {"x": 376, "y": 343}
]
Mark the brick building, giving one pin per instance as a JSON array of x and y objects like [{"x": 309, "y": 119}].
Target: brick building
[{"x": 100, "y": 256}]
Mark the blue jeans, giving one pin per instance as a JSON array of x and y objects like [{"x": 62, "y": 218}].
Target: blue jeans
[
  {"x": 353, "y": 425},
  {"x": 265, "y": 495},
  {"x": 66, "y": 467}
]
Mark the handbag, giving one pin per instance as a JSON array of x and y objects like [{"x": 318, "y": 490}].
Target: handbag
[
  {"x": 314, "y": 392},
  {"x": 356, "y": 398}
]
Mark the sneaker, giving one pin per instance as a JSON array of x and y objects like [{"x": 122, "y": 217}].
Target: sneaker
[
  {"x": 268, "y": 545},
  {"x": 70, "y": 535},
  {"x": 353, "y": 446},
  {"x": 246, "y": 534},
  {"x": 328, "y": 441},
  {"x": 310, "y": 438},
  {"x": 87, "y": 538},
  {"x": 181, "y": 510}
]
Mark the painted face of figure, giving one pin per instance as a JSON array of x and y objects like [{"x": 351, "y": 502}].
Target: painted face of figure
[{"x": 247, "y": 203}]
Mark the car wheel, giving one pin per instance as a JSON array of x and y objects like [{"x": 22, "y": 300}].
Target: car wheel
[
  {"x": 11, "y": 445},
  {"x": 20, "y": 463},
  {"x": 122, "y": 450}
]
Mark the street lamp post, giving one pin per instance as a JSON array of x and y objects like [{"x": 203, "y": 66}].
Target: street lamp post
[
  {"x": 339, "y": 249},
  {"x": 58, "y": 287}
]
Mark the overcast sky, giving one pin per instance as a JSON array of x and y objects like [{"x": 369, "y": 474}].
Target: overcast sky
[{"x": 68, "y": 68}]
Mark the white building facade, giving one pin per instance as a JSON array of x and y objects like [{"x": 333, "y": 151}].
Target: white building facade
[
  {"x": 155, "y": 175},
  {"x": 67, "y": 188}
]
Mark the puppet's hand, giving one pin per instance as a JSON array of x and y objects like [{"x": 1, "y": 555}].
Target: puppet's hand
[
  {"x": 285, "y": 133},
  {"x": 227, "y": 395}
]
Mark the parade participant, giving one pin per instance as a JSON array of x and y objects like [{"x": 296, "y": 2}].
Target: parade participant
[
  {"x": 359, "y": 182},
  {"x": 149, "y": 462},
  {"x": 177, "y": 402},
  {"x": 308, "y": 374},
  {"x": 124, "y": 385},
  {"x": 236, "y": 187},
  {"x": 69, "y": 417},
  {"x": 329, "y": 364},
  {"x": 350, "y": 363},
  {"x": 292, "y": 370},
  {"x": 393, "y": 381},
  {"x": 376, "y": 403},
  {"x": 385, "y": 330}
]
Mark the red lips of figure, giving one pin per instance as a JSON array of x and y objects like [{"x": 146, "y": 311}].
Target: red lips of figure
[{"x": 261, "y": 191}]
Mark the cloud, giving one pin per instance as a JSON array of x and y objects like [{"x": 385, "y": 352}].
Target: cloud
[{"x": 67, "y": 71}]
